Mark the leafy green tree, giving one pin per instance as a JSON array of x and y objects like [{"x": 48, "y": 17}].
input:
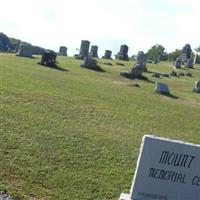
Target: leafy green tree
[
  {"x": 197, "y": 57},
  {"x": 38, "y": 50},
  {"x": 15, "y": 43},
  {"x": 198, "y": 49},
  {"x": 5, "y": 44},
  {"x": 157, "y": 52},
  {"x": 187, "y": 50},
  {"x": 175, "y": 54}
]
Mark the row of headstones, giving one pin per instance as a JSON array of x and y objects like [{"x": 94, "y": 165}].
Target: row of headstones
[
  {"x": 49, "y": 59},
  {"x": 84, "y": 51},
  {"x": 135, "y": 72},
  {"x": 26, "y": 50},
  {"x": 185, "y": 57},
  {"x": 140, "y": 67},
  {"x": 179, "y": 61}
]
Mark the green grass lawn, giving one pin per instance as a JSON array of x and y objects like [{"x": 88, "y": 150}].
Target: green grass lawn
[{"x": 76, "y": 134}]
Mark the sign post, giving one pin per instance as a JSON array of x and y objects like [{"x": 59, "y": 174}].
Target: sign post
[{"x": 166, "y": 170}]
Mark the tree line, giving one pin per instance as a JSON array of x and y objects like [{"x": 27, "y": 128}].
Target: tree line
[
  {"x": 8, "y": 44},
  {"x": 157, "y": 52}
]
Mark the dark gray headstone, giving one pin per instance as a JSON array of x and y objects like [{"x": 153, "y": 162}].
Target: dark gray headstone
[
  {"x": 91, "y": 63},
  {"x": 156, "y": 75},
  {"x": 48, "y": 58},
  {"x": 188, "y": 74},
  {"x": 141, "y": 60},
  {"x": 84, "y": 49},
  {"x": 123, "y": 53},
  {"x": 107, "y": 54},
  {"x": 187, "y": 50},
  {"x": 173, "y": 73},
  {"x": 165, "y": 75},
  {"x": 189, "y": 63},
  {"x": 178, "y": 63},
  {"x": 63, "y": 51},
  {"x": 94, "y": 51},
  {"x": 134, "y": 73},
  {"x": 138, "y": 68},
  {"x": 181, "y": 74},
  {"x": 162, "y": 88}
]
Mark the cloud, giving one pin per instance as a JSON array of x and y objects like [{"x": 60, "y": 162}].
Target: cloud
[{"x": 107, "y": 23}]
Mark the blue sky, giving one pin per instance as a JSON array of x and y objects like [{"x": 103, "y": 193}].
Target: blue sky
[{"x": 106, "y": 23}]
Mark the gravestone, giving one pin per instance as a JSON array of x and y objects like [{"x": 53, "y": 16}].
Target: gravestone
[
  {"x": 94, "y": 51},
  {"x": 173, "y": 73},
  {"x": 181, "y": 74},
  {"x": 25, "y": 50},
  {"x": 162, "y": 88},
  {"x": 156, "y": 75},
  {"x": 166, "y": 170},
  {"x": 189, "y": 63},
  {"x": 197, "y": 87},
  {"x": 48, "y": 58},
  {"x": 107, "y": 54},
  {"x": 91, "y": 63},
  {"x": 63, "y": 51},
  {"x": 134, "y": 73},
  {"x": 188, "y": 74},
  {"x": 141, "y": 60},
  {"x": 183, "y": 57},
  {"x": 138, "y": 68},
  {"x": 123, "y": 53},
  {"x": 107, "y": 63},
  {"x": 187, "y": 51},
  {"x": 178, "y": 63},
  {"x": 84, "y": 49},
  {"x": 165, "y": 75}
]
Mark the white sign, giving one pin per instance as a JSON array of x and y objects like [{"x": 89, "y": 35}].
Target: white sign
[{"x": 166, "y": 170}]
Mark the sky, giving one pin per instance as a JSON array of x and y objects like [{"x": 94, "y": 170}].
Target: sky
[{"x": 140, "y": 24}]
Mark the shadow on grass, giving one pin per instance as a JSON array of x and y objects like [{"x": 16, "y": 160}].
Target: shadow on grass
[
  {"x": 172, "y": 96},
  {"x": 185, "y": 68},
  {"x": 169, "y": 95},
  {"x": 99, "y": 69},
  {"x": 148, "y": 81},
  {"x": 131, "y": 77},
  {"x": 120, "y": 64},
  {"x": 56, "y": 67},
  {"x": 196, "y": 69},
  {"x": 150, "y": 72}
]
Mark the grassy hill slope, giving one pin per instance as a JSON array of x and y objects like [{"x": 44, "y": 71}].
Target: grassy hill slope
[{"x": 76, "y": 134}]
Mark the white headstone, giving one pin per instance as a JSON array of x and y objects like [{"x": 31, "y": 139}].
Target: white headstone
[
  {"x": 166, "y": 170},
  {"x": 197, "y": 87}
]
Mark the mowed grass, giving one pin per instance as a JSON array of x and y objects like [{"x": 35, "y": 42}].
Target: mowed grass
[{"x": 76, "y": 134}]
